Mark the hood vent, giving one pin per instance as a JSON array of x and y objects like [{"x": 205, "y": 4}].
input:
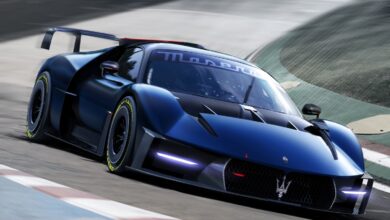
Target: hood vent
[
  {"x": 320, "y": 128},
  {"x": 206, "y": 125},
  {"x": 255, "y": 114},
  {"x": 291, "y": 126},
  {"x": 209, "y": 110}
]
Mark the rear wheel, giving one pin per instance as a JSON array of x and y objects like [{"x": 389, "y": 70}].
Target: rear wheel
[
  {"x": 121, "y": 136},
  {"x": 38, "y": 108}
]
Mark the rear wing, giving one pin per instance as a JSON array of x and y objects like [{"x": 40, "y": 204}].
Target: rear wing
[
  {"x": 77, "y": 33},
  {"x": 121, "y": 41}
]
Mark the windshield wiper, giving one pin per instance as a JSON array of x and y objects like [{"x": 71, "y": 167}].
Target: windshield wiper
[{"x": 248, "y": 92}]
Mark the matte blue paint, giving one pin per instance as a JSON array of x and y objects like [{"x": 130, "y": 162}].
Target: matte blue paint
[
  {"x": 161, "y": 112},
  {"x": 62, "y": 69},
  {"x": 346, "y": 140},
  {"x": 265, "y": 144},
  {"x": 84, "y": 99},
  {"x": 160, "y": 106},
  {"x": 80, "y": 59}
]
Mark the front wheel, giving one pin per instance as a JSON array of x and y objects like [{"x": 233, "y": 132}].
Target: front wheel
[
  {"x": 121, "y": 135},
  {"x": 38, "y": 108}
]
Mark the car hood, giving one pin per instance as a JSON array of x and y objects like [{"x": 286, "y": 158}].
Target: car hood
[{"x": 263, "y": 143}]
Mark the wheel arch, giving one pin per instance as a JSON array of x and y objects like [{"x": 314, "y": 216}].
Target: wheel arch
[
  {"x": 157, "y": 109},
  {"x": 61, "y": 72},
  {"x": 347, "y": 141}
]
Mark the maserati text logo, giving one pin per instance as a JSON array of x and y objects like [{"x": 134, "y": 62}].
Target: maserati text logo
[{"x": 282, "y": 188}]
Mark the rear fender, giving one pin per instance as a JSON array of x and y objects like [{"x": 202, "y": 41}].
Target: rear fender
[
  {"x": 61, "y": 72},
  {"x": 62, "y": 69}
]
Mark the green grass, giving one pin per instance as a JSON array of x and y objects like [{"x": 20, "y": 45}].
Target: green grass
[
  {"x": 346, "y": 51},
  {"x": 335, "y": 107}
]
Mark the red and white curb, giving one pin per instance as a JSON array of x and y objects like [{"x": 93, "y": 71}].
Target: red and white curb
[{"x": 84, "y": 200}]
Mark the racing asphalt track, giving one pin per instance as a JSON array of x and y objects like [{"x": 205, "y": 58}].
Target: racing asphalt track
[{"x": 240, "y": 27}]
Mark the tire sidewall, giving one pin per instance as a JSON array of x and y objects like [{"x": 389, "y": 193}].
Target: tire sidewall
[
  {"x": 37, "y": 131},
  {"x": 119, "y": 166}
]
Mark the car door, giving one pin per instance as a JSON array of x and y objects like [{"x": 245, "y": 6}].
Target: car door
[{"x": 99, "y": 93}]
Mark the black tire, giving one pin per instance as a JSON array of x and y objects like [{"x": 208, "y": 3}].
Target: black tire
[
  {"x": 38, "y": 108},
  {"x": 121, "y": 136}
]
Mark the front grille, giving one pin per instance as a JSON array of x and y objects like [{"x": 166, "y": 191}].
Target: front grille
[{"x": 261, "y": 181}]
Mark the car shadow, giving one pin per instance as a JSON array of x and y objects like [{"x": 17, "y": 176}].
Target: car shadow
[{"x": 59, "y": 145}]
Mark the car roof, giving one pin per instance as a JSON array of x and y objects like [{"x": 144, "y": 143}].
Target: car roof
[{"x": 173, "y": 46}]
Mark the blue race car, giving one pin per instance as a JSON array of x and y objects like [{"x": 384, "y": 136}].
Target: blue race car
[{"x": 178, "y": 111}]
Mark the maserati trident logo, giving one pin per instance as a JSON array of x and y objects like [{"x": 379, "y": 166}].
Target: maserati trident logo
[{"x": 281, "y": 189}]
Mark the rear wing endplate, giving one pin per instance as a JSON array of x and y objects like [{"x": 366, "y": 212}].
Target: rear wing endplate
[{"x": 77, "y": 33}]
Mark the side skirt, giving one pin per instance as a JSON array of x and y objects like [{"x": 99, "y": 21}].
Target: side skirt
[{"x": 99, "y": 151}]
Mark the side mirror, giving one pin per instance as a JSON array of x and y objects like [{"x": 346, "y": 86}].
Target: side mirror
[
  {"x": 109, "y": 67},
  {"x": 311, "y": 109}
]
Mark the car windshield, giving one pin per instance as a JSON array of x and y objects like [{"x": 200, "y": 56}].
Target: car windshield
[{"x": 217, "y": 78}]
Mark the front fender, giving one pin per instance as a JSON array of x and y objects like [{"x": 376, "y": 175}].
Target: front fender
[
  {"x": 159, "y": 106},
  {"x": 347, "y": 141}
]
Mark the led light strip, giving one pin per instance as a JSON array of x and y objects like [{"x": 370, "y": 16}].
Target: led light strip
[
  {"x": 176, "y": 159},
  {"x": 351, "y": 192}
]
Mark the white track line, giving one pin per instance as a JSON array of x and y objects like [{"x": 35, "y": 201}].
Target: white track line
[
  {"x": 381, "y": 187},
  {"x": 376, "y": 157},
  {"x": 93, "y": 203},
  {"x": 112, "y": 209},
  {"x": 3, "y": 167},
  {"x": 31, "y": 181}
]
